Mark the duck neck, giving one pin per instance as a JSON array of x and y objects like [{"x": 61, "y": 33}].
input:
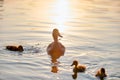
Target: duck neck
[{"x": 55, "y": 37}]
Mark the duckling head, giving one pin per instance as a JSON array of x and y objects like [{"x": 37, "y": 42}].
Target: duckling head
[
  {"x": 20, "y": 48},
  {"x": 75, "y": 62},
  {"x": 103, "y": 73},
  {"x": 103, "y": 70}
]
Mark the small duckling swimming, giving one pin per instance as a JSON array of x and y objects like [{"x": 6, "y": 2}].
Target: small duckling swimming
[
  {"x": 78, "y": 68},
  {"x": 101, "y": 73},
  {"x": 15, "y": 48}
]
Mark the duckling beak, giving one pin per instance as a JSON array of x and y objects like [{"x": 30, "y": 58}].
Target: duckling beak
[{"x": 72, "y": 64}]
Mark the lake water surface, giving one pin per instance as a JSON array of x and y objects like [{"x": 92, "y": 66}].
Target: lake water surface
[{"x": 90, "y": 30}]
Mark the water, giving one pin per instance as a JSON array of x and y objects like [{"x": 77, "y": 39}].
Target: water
[{"x": 90, "y": 30}]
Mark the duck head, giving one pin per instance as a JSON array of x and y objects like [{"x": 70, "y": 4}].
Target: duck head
[
  {"x": 75, "y": 62},
  {"x": 56, "y": 34}
]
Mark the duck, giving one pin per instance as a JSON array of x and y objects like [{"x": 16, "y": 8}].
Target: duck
[
  {"x": 55, "y": 49},
  {"x": 15, "y": 48},
  {"x": 78, "y": 68},
  {"x": 101, "y": 73}
]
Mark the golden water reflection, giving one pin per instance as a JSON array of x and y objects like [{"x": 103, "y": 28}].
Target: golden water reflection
[{"x": 61, "y": 13}]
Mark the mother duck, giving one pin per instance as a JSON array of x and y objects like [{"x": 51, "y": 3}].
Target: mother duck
[{"x": 55, "y": 49}]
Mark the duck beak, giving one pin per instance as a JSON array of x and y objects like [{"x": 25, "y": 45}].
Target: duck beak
[{"x": 60, "y": 36}]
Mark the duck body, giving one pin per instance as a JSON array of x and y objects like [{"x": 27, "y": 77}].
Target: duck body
[
  {"x": 78, "y": 68},
  {"x": 55, "y": 49},
  {"x": 101, "y": 74},
  {"x": 15, "y": 48}
]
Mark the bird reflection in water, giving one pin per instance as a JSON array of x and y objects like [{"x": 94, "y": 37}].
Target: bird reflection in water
[
  {"x": 55, "y": 49},
  {"x": 54, "y": 69},
  {"x": 74, "y": 76}
]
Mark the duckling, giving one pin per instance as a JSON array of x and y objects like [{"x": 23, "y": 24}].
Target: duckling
[
  {"x": 55, "y": 49},
  {"x": 78, "y": 68},
  {"x": 15, "y": 48},
  {"x": 101, "y": 73}
]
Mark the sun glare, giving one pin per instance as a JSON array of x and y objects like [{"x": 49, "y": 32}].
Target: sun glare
[{"x": 61, "y": 14}]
